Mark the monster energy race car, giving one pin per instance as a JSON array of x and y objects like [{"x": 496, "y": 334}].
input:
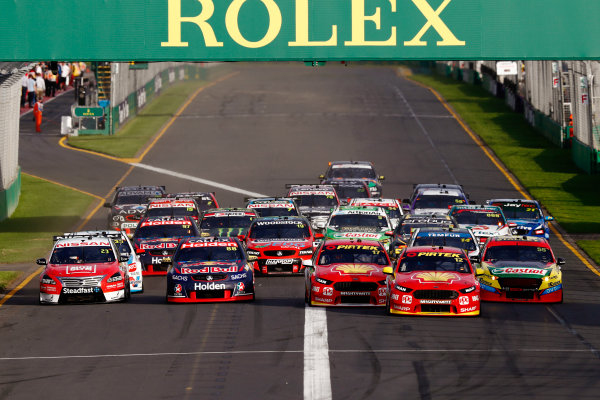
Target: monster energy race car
[{"x": 226, "y": 222}]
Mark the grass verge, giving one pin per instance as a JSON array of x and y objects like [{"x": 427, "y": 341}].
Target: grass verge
[
  {"x": 44, "y": 210},
  {"x": 128, "y": 141},
  {"x": 547, "y": 172},
  {"x": 6, "y": 277}
]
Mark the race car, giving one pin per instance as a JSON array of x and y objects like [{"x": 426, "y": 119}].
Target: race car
[
  {"x": 173, "y": 207},
  {"x": 446, "y": 237},
  {"x": 353, "y": 170},
  {"x": 346, "y": 272},
  {"x": 349, "y": 189},
  {"x": 359, "y": 222},
  {"x": 280, "y": 244},
  {"x": 204, "y": 200},
  {"x": 520, "y": 269},
  {"x": 432, "y": 280},
  {"x": 273, "y": 206},
  {"x": 210, "y": 270},
  {"x": 315, "y": 202},
  {"x": 123, "y": 244},
  {"x": 435, "y": 198},
  {"x": 129, "y": 205},
  {"x": 84, "y": 269},
  {"x": 484, "y": 221},
  {"x": 409, "y": 223},
  {"x": 525, "y": 217},
  {"x": 392, "y": 207},
  {"x": 226, "y": 222},
  {"x": 156, "y": 239}
]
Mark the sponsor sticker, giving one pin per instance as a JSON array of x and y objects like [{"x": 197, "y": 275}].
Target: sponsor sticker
[
  {"x": 327, "y": 291},
  {"x": 527, "y": 271},
  {"x": 355, "y": 269},
  {"x": 179, "y": 278},
  {"x": 144, "y": 246},
  {"x": 209, "y": 286},
  {"x": 469, "y": 309},
  {"x": 382, "y": 291},
  {"x": 355, "y": 293},
  {"x": 427, "y": 301},
  {"x": 239, "y": 276},
  {"x": 323, "y": 300},
  {"x": 81, "y": 290},
  {"x": 85, "y": 243},
  {"x": 395, "y": 296},
  {"x": 281, "y": 261},
  {"x": 463, "y": 300},
  {"x": 208, "y": 244},
  {"x": 406, "y": 299},
  {"x": 81, "y": 269}
]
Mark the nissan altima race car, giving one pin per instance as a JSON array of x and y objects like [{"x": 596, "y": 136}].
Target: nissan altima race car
[
  {"x": 273, "y": 206},
  {"x": 524, "y": 217},
  {"x": 174, "y": 207},
  {"x": 359, "y": 222},
  {"x": 435, "y": 198},
  {"x": 347, "y": 272},
  {"x": 210, "y": 270},
  {"x": 520, "y": 269},
  {"x": 432, "y": 281},
  {"x": 348, "y": 189},
  {"x": 226, "y": 222},
  {"x": 280, "y": 244},
  {"x": 129, "y": 205},
  {"x": 156, "y": 239},
  {"x": 484, "y": 221},
  {"x": 353, "y": 170},
  {"x": 88, "y": 269},
  {"x": 316, "y": 202}
]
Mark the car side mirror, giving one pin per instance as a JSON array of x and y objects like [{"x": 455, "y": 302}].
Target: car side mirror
[
  {"x": 381, "y": 177},
  {"x": 475, "y": 259},
  {"x": 140, "y": 251},
  {"x": 560, "y": 261},
  {"x": 308, "y": 263},
  {"x": 549, "y": 218},
  {"x": 123, "y": 259},
  {"x": 388, "y": 270},
  {"x": 41, "y": 261},
  {"x": 389, "y": 233},
  {"x": 107, "y": 205},
  {"x": 319, "y": 236},
  {"x": 479, "y": 271},
  {"x": 321, "y": 176}
]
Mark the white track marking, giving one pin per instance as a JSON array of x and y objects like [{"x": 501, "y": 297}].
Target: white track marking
[
  {"x": 317, "y": 378},
  {"x": 198, "y": 180},
  {"x": 317, "y": 115}
]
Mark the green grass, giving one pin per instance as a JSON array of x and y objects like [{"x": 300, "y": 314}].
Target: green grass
[
  {"x": 591, "y": 247},
  {"x": 44, "y": 210},
  {"x": 128, "y": 141},
  {"x": 546, "y": 171},
  {"x": 6, "y": 277}
]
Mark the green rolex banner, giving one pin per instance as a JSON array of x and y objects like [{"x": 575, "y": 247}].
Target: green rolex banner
[{"x": 228, "y": 30}]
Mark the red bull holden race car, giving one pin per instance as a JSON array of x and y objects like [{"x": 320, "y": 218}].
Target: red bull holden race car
[{"x": 226, "y": 222}]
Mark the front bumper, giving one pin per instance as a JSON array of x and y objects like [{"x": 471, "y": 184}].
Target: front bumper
[
  {"x": 406, "y": 304},
  {"x": 518, "y": 295},
  {"x": 82, "y": 295}
]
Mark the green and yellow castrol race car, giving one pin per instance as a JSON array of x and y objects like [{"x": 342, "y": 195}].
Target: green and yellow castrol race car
[
  {"x": 359, "y": 222},
  {"x": 520, "y": 269}
]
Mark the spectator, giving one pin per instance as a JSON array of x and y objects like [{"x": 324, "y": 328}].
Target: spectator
[
  {"x": 31, "y": 89},
  {"x": 37, "y": 114},
  {"x": 66, "y": 74},
  {"x": 40, "y": 87}
]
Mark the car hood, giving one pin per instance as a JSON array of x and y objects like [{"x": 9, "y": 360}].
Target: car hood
[
  {"x": 279, "y": 243},
  {"x": 479, "y": 230},
  {"x": 434, "y": 279},
  {"x": 314, "y": 211},
  {"x": 522, "y": 269},
  {"x": 360, "y": 232},
  {"x": 429, "y": 211},
  {"x": 153, "y": 244},
  {"x": 350, "y": 271},
  {"x": 132, "y": 209},
  {"x": 528, "y": 223},
  {"x": 81, "y": 270},
  {"x": 223, "y": 232},
  {"x": 206, "y": 267}
]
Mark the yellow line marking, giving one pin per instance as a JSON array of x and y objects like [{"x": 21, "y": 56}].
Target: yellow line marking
[
  {"x": 505, "y": 172},
  {"x": 63, "y": 142},
  {"x": 63, "y": 185},
  {"x": 21, "y": 286}
]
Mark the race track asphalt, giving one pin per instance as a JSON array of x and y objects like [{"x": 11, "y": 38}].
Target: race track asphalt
[{"x": 263, "y": 127}]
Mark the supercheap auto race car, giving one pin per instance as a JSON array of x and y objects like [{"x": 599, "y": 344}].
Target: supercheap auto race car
[
  {"x": 484, "y": 221},
  {"x": 273, "y": 206},
  {"x": 349, "y": 189},
  {"x": 353, "y": 170},
  {"x": 156, "y": 239},
  {"x": 226, "y": 222},
  {"x": 280, "y": 244},
  {"x": 359, "y": 222},
  {"x": 174, "y": 207},
  {"x": 409, "y": 223},
  {"x": 525, "y": 217},
  {"x": 129, "y": 205},
  {"x": 125, "y": 248},
  {"x": 210, "y": 270},
  {"x": 520, "y": 269},
  {"x": 432, "y": 281},
  {"x": 346, "y": 272},
  {"x": 315, "y": 202},
  {"x": 435, "y": 198},
  {"x": 204, "y": 200},
  {"x": 86, "y": 269},
  {"x": 446, "y": 237},
  {"x": 392, "y": 207}
]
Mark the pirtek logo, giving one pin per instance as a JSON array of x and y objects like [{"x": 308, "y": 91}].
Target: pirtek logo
[{"x": 358, "y": 22}]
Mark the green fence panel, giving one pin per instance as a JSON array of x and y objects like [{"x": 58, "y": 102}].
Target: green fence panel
[
  {"x": 585, "y": 157},
  {"x": 9, "y": 197}
]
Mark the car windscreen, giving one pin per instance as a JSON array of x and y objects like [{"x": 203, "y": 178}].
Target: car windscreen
[
  {"x": 519, "y": 210},
  {"x": 340, "y": 221},
  {"x": 315, "y": 200},
  {"x": 433, "y": 261},
  {"x": 518, "y": 253},
  {"x": 226, "y": 222},
  {"x": 407, "y": 227},
  {"x": 123, "y": 247},
  {"x": 352, "y": 173},
  {"x": 437, "y": 201},
  {"x": 82, "y": 255},
  {"x": 276, "y": 212},
  {"x": 133, "y": 199},
  {"x": 352, "y": 192},
  {"x": 470, "y": 217},
  {"x": 280, "y": 231},
  {"x": 172, "y": 212},
  {"x": 164, "y": 231},
  {"x": 462, "y": 242},
  {"x": 199, "y": 254},
  {"x": 352, "y": 254},
  {"x": 393, "y": 212}
]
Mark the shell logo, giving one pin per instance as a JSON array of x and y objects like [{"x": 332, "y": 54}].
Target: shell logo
[
  {"x": 435, "y": 277},
  {"x": 355, "y": 269}
]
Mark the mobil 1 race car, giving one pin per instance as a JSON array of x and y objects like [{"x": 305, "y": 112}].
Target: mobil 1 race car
[
  {"x": 280, "y": 244},
  {"x": 125, "y": 248},
  {"x": 520, "y": 269},
  {"x": 359, "y": 222},
  {"x": 156, "y": 239},
  {"x": 347, "y": 272},
  {"x": 354, "y": 170},
  {"x": 84, "y": 269},
  {"x": 392, "y": 207},
  {"x": 129, "y": 205},
  {"x": 174, "y": 207},
  {"x": 435, "y": 198},
  {"x": 525, "y": 217},
  {"x": 316, "y": 202},
  {"x": 409, "y": 223},
  {"x": 348, "y": 189},
  {"x": 226, "y": 222},
  {"x": 273, "y": 206},
  {"x": 204, "y": 200},
  {"x": 433, "y": 281},
  {"x": 484, "y": 221},
  {"x": 446, "y": 237},
  {"x": 210, "y": 270}
]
